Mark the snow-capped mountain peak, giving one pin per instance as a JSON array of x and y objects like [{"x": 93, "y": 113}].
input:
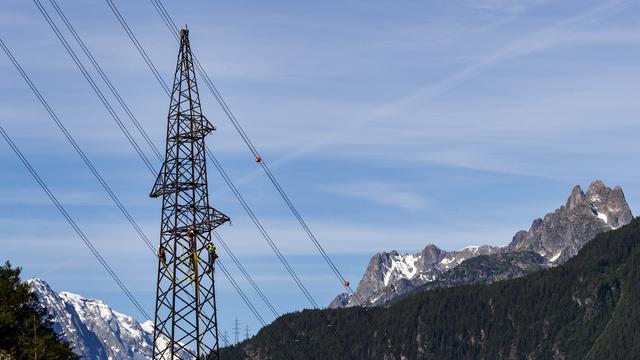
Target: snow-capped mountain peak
[
  {"x": 394, "y": 273},
  {"x": 94, "y": 329}
]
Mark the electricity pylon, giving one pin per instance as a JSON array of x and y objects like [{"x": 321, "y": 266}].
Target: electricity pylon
[
  {"x": 236, "y": 331},
  {"x": 186, "y": 324}
]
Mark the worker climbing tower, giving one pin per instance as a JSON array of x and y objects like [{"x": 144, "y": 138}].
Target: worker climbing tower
[{"x": 186, "y": 325}]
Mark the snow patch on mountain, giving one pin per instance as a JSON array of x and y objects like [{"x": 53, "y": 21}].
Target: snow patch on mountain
[
  {"x": 403, "y": 266},
  {"x": 556, "y": 256},
  {"x": 94, "y": 329}
]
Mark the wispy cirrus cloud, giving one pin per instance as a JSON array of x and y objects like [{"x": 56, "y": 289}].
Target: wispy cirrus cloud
[
  {"x": 390, "y": 195},
  {"x": 560, "y": 34},
  {"x": 504, "y": 6}
]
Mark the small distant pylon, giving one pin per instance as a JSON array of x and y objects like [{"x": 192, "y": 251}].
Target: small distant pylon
[
  {"x": 246, "y": 332},
  {"x": 236, "y": 331}
]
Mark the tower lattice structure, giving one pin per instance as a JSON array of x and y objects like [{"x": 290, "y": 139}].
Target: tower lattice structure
[{"x": 186, "y": 324}]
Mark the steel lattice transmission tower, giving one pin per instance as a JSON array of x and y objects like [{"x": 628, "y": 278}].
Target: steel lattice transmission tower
[{"x": 186, "y": 324}]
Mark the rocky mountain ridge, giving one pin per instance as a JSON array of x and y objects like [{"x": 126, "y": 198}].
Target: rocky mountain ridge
[
  {"x": 391, "y": 274},
  {"x": 94, "y": 329},
  {"x": 556, "y": 237}
]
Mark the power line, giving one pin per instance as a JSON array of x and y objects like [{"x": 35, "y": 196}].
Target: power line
[
  {"x": 76, "y": 147},
  {"x": 61, "y": 126},
  {"x": 138, "y": 126},
  {"x": 164, "y": 14},
  {"x": 173, "y": 29},
  {"x": 247, "y": 276},
  {"x": 106, "y": 80},
  {"x": 77, "y": 229},
  {"x": 217, "y": 164},
  {"x": 114, "y": 91},
  {"x": 147, "y": 138},
  {"x": 94, "y": 170},
  {"x": 230, "y": 115},
  {"x": 138, "y": 46},
  {"x": 255, "y": 286},
  {"x": 169, "y": 22},
  {"x": 224, "y": 339},
  {"x": 70, "y": 220},
  {"x": 154, "y": 70},
  {"x": 94, "y": 86},
  {"x": 253, "y": 309},
  {"x": 132, "y": 117},
  {"x": 227, "y": 344},
  {"x": 104, "y": 77}
]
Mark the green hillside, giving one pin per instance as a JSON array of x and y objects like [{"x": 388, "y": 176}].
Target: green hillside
[{"x": 588, "y": 308}]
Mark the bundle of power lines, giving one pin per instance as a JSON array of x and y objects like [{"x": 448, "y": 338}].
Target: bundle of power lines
[{"x": 173, "y": 29}]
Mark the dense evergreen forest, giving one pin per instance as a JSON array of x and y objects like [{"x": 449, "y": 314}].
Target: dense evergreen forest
[
  {"x": 587, "y": 308},
  {"x": 25, "y": 330}
]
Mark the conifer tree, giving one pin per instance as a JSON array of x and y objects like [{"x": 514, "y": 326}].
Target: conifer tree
[{"x": 25, "y": 330}]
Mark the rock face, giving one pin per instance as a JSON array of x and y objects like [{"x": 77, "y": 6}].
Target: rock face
[
  {"x": 391, "y": 274},
  {"x": 555, "y": 238},
  {"x": 560, "y": 234},
  {"x": 93, "y": 328},
  {"x": 68, "y": 322}
]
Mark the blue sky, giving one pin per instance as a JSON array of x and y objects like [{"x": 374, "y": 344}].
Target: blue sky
[{"x": 390, "y": 124}]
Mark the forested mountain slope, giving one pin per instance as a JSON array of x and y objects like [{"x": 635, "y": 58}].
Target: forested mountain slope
[{"x": 586, "y": 308}]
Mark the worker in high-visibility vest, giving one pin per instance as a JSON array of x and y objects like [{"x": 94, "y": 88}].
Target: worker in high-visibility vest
[
  {"x": 162, "y": 255},
  {"x": 192, "y": 251},
  {"x": 212, "y": 255}
]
